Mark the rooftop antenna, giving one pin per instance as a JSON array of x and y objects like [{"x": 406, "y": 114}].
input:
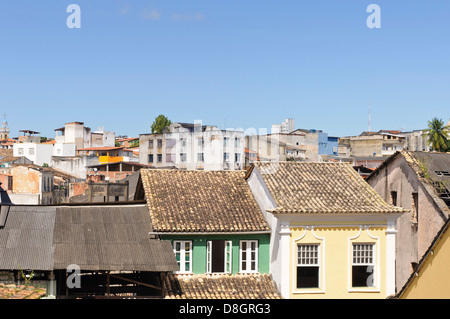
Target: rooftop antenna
[{"x": 369, "y": 116}]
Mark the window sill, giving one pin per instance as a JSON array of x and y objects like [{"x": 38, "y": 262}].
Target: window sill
[
  {"x": 308, "y": 291},
  {"x": 358, "y": 290}
]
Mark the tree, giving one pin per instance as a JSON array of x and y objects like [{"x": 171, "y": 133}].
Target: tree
[
  {"x": 160, "y": 123},
  {"x": 438, "y": 135}
]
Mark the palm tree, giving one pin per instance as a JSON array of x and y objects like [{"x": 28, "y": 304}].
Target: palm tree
[{"x": 438, "y": 135}]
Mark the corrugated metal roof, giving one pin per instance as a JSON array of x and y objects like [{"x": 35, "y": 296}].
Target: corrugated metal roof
[
  {"x": 26, "y": 239},
  {"x": 98, "y": 237},
  {"x": 109, "y": 238}
]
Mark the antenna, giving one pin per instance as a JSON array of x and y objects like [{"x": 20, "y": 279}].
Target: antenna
[{"x": 369, "y": 116}]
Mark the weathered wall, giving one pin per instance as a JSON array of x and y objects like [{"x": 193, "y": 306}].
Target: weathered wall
[
  {"x": 26, "y": 180},
  {"x": 366, "y": 147},
  {"x": 413, "y": 239}
]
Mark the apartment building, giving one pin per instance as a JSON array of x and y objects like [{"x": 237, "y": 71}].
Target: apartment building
[
  {"x": 381, "y": 143},
  {"x": 193, "y": 147}
]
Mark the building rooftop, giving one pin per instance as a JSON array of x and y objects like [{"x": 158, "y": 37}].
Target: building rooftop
[
  {"x": 319, "y": 188},
  {"x": 94, "y": 236},
  {"x": 221, "y": 286},
  {"x": 201, "y": 201}
]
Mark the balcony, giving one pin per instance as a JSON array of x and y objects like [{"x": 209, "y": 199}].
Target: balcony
[{"x": 110, "y": 159}]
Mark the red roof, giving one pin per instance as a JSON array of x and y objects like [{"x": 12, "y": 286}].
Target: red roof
[{"x": 105, "y": 148}]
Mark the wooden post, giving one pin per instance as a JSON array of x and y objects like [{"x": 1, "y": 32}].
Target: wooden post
[
  {"x": 163, "y": 284},
  {"x": 107, "y": 283},
  {"x": 67, "y": 288}
]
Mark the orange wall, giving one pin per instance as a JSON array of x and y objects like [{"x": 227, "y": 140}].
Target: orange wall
[{"x": 25, "y": 180}]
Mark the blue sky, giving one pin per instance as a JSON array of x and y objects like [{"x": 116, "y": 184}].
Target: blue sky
[{"x": 238, "y": 64}]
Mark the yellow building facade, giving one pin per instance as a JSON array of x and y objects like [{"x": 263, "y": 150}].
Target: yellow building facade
[
  {"x": 342, "y": 253},
  {"x": 332, "y": 237},
  {"x": 431, "y": 279}
]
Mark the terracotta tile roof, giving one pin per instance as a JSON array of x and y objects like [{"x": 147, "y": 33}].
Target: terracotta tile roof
[
  {"x": 307, "y": 187},
  {"x": 221, "y": 286},
  {"x": 13, "y": 291},
  {"x": 201, "y": 201},
  {"x": 102, "y": 148},
  {"x": 6, "y": 152}
]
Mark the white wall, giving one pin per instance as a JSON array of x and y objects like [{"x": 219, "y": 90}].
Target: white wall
[
  {"x": 25, "y": 199},
  {"x": 75, "y": 166},
  {"x": 64, "y": 149},
  {"x": 36, "y": 152},
  {"x": 266, "y": 202}
]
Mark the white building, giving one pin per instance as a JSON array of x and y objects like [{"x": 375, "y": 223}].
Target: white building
[
  {"x": 287, "y": 126},
  {"x": 76, "y": 133},
  {"x": 38, "y": 153},
  {"x": 193, "y": 146},
  {"x": 416, "y": 141}
]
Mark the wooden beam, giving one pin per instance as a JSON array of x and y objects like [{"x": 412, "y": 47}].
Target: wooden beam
[{"x": 136, "y": 282}]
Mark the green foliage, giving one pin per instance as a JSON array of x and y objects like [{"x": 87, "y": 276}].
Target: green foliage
[
  {"x": 161, "y": 122},
  {"x": 423, "y": 169},
  {"x": 438, "y": 135},
  {"x": 26, "y": 277},
  {"x": 134, "y": 143}
]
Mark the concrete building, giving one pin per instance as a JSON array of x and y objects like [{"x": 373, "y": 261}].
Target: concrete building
[
  {"x": 420, "y": 183},
  {"x": 381, "y": 143},
  {"x": 29, "y": 184},
  {"x": 287, "y": 126},
  {"x": 305, "y": 145},
  {"x": 112, "y": 172},
  {"x": 193, "y": 147},
  {"x": 83, "y": 137},
  {"x": 416, "y": 141},
  {"x": 266, "y": 148},
  {"x": 38, "y": 153}
]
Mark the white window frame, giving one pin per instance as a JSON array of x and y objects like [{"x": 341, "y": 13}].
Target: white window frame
[
  {"x": 364, "y": 259},
  {"x": 248, "y": 253},
  {"x": 182, "y": 252},
  {"x": 227, "y": 260},
  {"x": 316, "y": 262}
]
